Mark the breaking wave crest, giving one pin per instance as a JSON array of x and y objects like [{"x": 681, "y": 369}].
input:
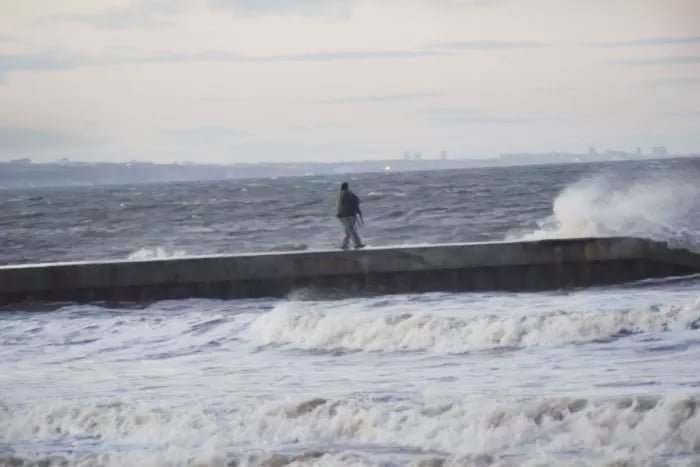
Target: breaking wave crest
[
  {"x": 155, "y": 253},
  {"x": 431, "y": 431},
  {"x": 662, "y": 208},
  {"x": 294, "y": 325}
]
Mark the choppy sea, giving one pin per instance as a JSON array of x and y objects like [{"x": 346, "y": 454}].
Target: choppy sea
[{"x": 604, "y": 376}]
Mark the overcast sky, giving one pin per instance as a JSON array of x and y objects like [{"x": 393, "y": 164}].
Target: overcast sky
[{"x": 327, "y": 80}]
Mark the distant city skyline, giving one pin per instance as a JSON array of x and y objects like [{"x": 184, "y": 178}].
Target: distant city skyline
[
  {"x": 227, "y": 82},
  {"x": 590, "y": 155}
]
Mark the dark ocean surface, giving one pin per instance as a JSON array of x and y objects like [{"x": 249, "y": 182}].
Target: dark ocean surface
[
  {"x": 602, "y": 376},
  {"x": 106, "y": 222}
]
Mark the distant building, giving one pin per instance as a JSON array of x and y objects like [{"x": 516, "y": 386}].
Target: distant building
[
  {"x": 659, "y": 151},
  {"x": 443, "y": 155},
  {"x": 591, "y": 156},
  {"x": 614, "y": 154}
]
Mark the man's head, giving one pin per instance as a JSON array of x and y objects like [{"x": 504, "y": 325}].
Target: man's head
[{"x": 344, "y": 186}]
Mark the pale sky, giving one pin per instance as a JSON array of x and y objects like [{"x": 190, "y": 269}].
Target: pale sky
[{"x": 228, "y": 81}]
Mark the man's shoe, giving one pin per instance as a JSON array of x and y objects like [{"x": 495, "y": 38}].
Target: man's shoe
[{"x": 361, "y": 245}]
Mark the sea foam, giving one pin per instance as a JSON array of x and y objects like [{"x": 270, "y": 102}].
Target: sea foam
[
  {"x": 607, "y": 204},
  {"x": 297, "y": 325},
  {"x": 440, "y": 431}
]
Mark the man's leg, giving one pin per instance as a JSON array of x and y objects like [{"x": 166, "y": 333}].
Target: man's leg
[
  {"x": 353, "y": 232},
  {"x": 346, "y": 239}
]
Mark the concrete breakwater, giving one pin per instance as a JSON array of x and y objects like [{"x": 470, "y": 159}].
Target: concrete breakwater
[{"x": 514, "y": 266}]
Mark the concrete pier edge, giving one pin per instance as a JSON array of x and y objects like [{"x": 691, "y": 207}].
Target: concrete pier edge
[{"x": 513, "y": 266}]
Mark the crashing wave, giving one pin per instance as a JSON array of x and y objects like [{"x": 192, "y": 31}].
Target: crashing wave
[
  {"x": 606, "y": 205},
  {"x": 440, "y": 431},
  {"x": 298, "y": 326}
]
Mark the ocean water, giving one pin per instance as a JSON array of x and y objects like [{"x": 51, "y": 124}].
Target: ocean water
[{"x": 600, "y": 376}]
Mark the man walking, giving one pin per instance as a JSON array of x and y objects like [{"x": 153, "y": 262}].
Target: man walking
[{"x": 349, "y": 213}]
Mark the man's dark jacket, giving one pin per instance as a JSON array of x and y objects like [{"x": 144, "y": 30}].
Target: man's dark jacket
[{"x": 348, "y": 204}]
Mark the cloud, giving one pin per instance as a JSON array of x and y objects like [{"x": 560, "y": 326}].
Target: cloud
[
  {"x": 491, "y": 120},
  {"x": 385, "y": 98},
  {"x": 657, "y": 61},
  {"x": 470, "y": 3},
  {"x": 677, "y": 81},
  {"x": 36, "y": 62},
  {"x": 471, "y": 116},
  {"x": 177, "y": 57},
  {"x": 224, "y": 99},
  {"x": 486, "y": 45},
  {"x": 649, "y": 41},
  {"x": 42, "y": 61},
  {"x": 118, "y": 20},
  {"x": 206, "y": 136},
  {"x": 684, "y": 114},
  {"x": 283, "y": 7},
  {"x": 10, "y": 63},
  {"x": 142, "y": 14},
  {"x": 351, "y": 55},
  {"x": 16, "y": 139},
  {"x": 315, "y": 7}
]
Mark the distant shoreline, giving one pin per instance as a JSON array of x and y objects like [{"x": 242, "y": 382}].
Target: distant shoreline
[{"x": 26, "y": 174}]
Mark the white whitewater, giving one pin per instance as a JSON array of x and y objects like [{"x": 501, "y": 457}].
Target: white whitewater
[{"x": 664, "y": 208}]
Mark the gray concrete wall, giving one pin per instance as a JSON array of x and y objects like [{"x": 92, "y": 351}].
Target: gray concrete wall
[{"x": 540, "y": 265}]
